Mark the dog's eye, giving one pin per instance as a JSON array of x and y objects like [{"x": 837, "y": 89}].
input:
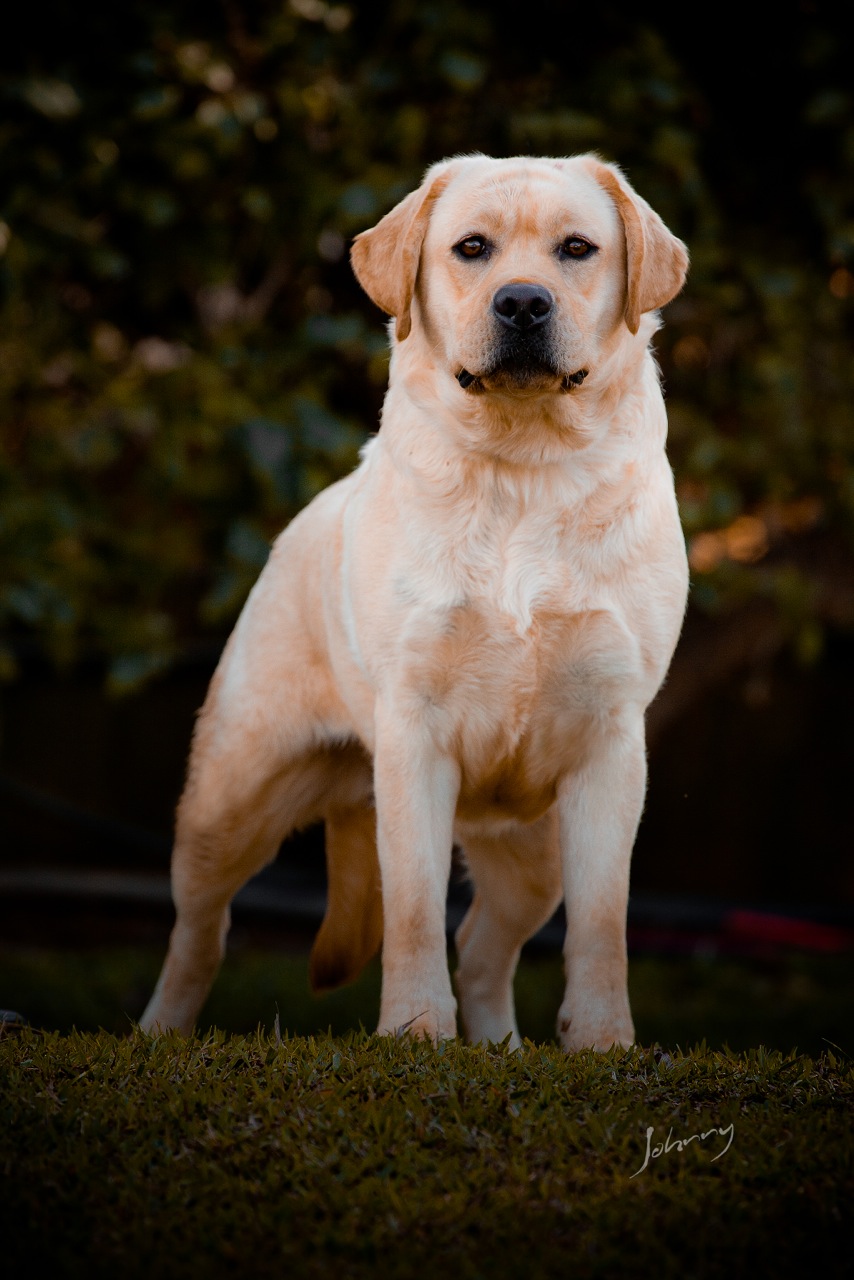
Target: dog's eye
[
  {"x": 471, "y": 247},
  {"x": 575, "y": 247}
]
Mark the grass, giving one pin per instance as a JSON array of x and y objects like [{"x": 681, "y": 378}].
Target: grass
[{"x": 245, "y": 1151}]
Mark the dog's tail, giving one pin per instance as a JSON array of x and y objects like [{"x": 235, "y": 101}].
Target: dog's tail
[{"x": 352, "y": 928}]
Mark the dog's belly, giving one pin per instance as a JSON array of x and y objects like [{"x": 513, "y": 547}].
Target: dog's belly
[{"x": 519, "y": 711}]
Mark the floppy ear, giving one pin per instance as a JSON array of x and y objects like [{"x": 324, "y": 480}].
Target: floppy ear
[
  {"x": 385, "y": 259},
  {"x": 657, "y": 261}
]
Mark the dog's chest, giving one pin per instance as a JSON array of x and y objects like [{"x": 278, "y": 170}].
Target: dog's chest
[
  {"x": 515, "y": 705},
  {"x": 512, "y": 633}
]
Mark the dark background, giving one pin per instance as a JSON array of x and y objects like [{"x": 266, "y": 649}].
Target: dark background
[{"x": 185, "y": 359}]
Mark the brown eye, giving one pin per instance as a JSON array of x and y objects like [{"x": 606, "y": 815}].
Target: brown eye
[
  {"x": 471, "y": 247},
  {"x": 576, "y": 247}
]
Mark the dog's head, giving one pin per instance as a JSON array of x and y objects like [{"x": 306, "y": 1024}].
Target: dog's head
[{"x": 520, "y": 272}]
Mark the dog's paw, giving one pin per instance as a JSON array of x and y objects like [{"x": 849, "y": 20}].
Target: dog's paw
[
  {"x": 423, "y": 1026},
  {"x": 577, "y": 1034}
]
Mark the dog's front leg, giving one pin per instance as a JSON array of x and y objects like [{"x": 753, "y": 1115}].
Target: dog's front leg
[
  {"x": 600, "y": 808},
  {"x": 416, "y": 789}
]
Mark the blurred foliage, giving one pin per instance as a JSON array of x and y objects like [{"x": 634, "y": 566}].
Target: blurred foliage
[{"x": 185, "y": 357}]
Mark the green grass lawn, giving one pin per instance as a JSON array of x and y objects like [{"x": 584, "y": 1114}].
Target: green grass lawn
[{"x": 245, "y": 1151}]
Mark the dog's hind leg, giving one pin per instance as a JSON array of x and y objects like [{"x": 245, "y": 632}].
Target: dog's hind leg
[
  {"x": 259, "y": 769},
  {"x": 517, "y": 887},
  {"x": 231, "y": 821}
]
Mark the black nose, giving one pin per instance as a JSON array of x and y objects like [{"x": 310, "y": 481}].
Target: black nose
[{"x": 522, "y": 306}]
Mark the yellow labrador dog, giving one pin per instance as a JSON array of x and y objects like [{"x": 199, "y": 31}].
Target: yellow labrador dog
[{"x": 458, "y": 641}]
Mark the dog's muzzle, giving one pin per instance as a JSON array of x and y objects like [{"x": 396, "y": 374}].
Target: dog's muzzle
[{"x": 523, "y": 348}]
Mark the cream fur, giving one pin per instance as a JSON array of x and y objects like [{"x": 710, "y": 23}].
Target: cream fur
[{"x": 465, "y": 633}]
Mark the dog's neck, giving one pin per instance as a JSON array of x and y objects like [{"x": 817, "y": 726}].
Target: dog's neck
[{"x": 438, "y": 432}]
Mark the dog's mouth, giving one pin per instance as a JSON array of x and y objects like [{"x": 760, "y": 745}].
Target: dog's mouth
[
  {"x": 527, "y": 361},
  {"x": 522, "y": 380}
]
